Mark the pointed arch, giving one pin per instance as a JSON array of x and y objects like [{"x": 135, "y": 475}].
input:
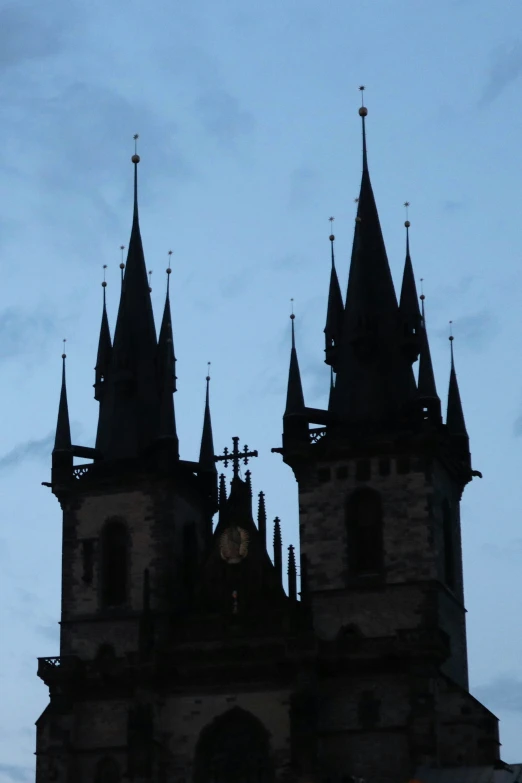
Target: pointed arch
[
  {"x": 107, "y": 771},
  {"x": 234, "y": 748},
  {"x": 114, "y": 563},
  {"x": 364, "y": 529}
]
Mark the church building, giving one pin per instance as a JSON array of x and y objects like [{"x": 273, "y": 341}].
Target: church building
[{"x": 183, "y": 659}]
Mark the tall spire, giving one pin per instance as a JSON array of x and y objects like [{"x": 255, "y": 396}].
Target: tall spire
[
  {"x": 261, "y": 517},
  {"x": 206, "y": 452},
  {"x": 373, "y": 383},
  {"x": 294, "y": 394},
  {"x": 166, "y": 365},
  {"x": 278, "y": 549},
  {"x": 334, "y": 313},
  {"x": 426, "y": 384},
  {"x": 455, "y": 415},
  {"x": 104, "y": 355},
  {"x": 292, "y": 574},
  {"x": 410, "y": 315},
  {"x": 62, "y": 441},
  {"x": 222, "y": 496},
  {"x": 132, "y": 423}
]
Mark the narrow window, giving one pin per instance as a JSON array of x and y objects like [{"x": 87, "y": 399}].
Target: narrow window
[
  {"x": 448, "y": 545},
  {"x": 114, "y": 564},
  {"x": 365, "y": 532},
  {"x": 87, "y": 561}
]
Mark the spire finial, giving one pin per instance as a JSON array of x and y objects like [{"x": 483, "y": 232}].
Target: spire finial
[
  {"x": 168, "y": 270},
  {"x": 135, "y": 159},
  {"x": 122, "y": 262},
  {"x": 208, "y": 372},
  {"x": 64, "y": 355},
  {"x": 331, "y": 219},
  {"x": 451, "y": 338},
  {"x": 407, "y": 225},
  {"x": 363, "y": 112},
  {"x": 150, "y": 280},
  {"x": 104, "y": 283},
  {"x": 292, "y": 318}
]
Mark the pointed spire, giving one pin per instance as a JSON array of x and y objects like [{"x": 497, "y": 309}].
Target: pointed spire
[
  {"x": 410, "y": 315},
  {"x": 373, "y": 380},
  {"x": 294, "y": 394},
  {"x": 261, "y": 517},
  {"x": 455, "y": 415},
  {"x": 248, "y": 482},
  {"x": 104, "y": 355},
  {"x": 62, "y": 441},
  {"x": 278, "y": 549},
  {"x": 167, "y": 373},
  {"x": 292, "y": 574},
  {"x": 334, "y": 313},
  {"x": 132, "y": 424},
  {"x": 166, "y": 353},
  {"x": 206, "y": 452},
  {"x": 426, "y": 384},
  {"x": 222, "y": 498}
]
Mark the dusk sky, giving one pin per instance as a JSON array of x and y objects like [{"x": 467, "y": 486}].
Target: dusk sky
[{"x": 249, "y": 142}]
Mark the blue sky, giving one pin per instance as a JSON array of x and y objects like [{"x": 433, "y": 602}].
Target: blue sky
[{"x": 250, "y": 140}]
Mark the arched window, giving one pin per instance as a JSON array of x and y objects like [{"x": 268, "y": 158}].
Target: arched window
[
  {"x": 448, "y": 546},
  {"x": 364, "y": 532},
  {"x": 234, "y": 748},
  {"x": 114, "y": 564},
  {"x": 107, "y": 771}
]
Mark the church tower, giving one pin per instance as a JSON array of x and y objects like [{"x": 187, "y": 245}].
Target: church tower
[
  {"x": 380, "y": 479},
  {"x": 182, "y": 657}
]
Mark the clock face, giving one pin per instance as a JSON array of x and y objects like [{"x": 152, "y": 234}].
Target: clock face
[{"x": 233, "y": 544}]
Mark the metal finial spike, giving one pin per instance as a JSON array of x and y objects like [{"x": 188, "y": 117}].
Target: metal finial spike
[
  {"x": 169, "y": 269},
  {"x": 332, "y": 237},
  {"x": 135, "y": 158},
  {"x": 150, "y": 280},
  {"x": 208, "y": 371},
  {"x": 292, "y": 316},
  {"x": 363, "y": 111},
  {"x": 104, "y": 284},
  {"x": 451, "y": 338},
  {"x": 407, "y": 221},
  {"x": 422, "y": 297},
  {"x": 64, "y": 355}
]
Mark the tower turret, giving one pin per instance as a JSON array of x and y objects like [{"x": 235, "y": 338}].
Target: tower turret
[
  {"x": 62, "y": 457},
  {"x": 334, "y": 314},
  {"x": 373, "y": 383}
]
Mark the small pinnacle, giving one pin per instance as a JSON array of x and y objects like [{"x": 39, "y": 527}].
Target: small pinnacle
[
  {"x": 104, "y": 284},
  {"x": 150, "y": 280},
  {"x": 169, "y": 270},
  {"x": 64, "y": 355},
  {"x": 451, "y": 338},
  {"x": 208, "y": 371}
]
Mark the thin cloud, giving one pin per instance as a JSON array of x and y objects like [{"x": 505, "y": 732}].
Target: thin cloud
[
  {"x": 502, "y": 693},
  {"x": 223, "y": 117},
  {"x": 16, "y": 773},
  {"x": 31, "y": 449},
  {"x": 505, "y": 68},
  {"x": 24, "y": 332},
  {"x": 26, "y": 34},
  {"x": 51, "y": 632},
  {"x": 475, "y": 331},
  {"x": 304, "y": 182}
]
